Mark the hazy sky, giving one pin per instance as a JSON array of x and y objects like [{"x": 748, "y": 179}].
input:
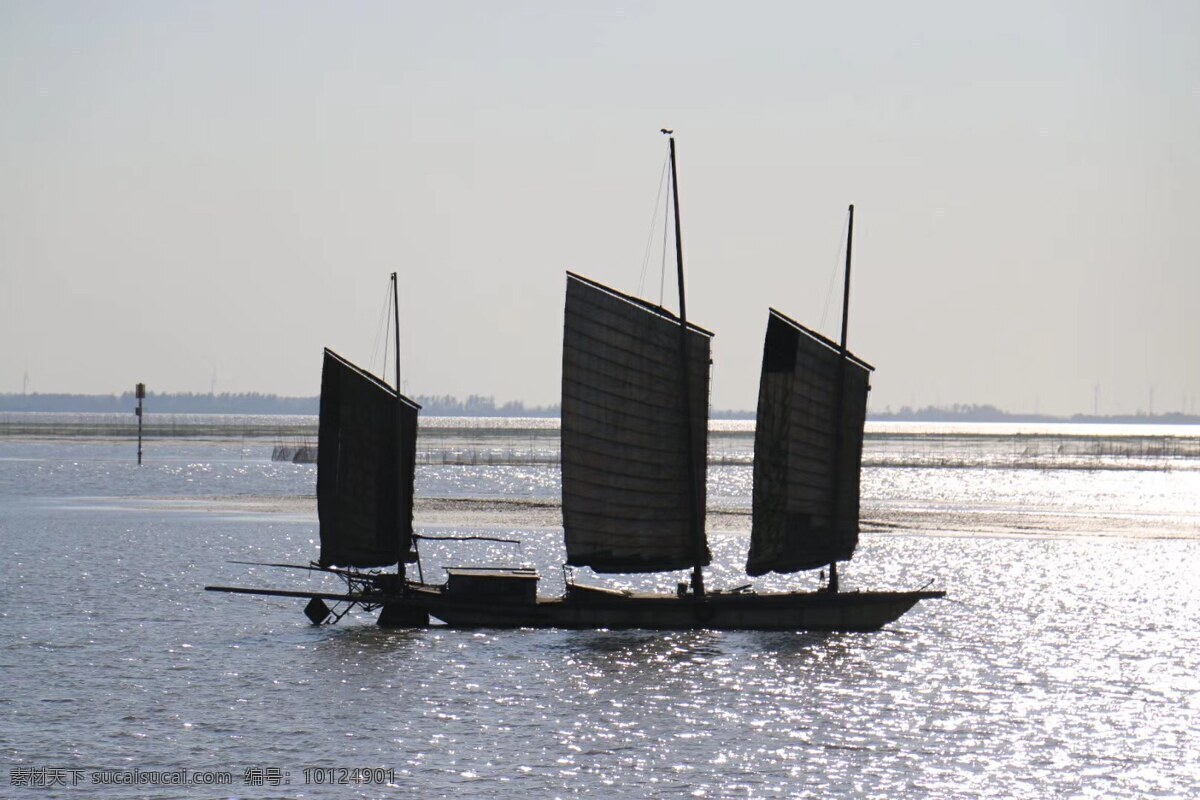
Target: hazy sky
[{"x": 190, "y": 190}]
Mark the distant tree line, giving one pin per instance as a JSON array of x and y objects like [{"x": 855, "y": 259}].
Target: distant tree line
[
  {"x": 959, "y": 413},
  {"x": 253, "y": 403},
  {"x": 164, "y": 403},
  {"x": 485, "y": 406},
  {"x": 477, "y": 405},
  {"x": 988, "y": 413}
]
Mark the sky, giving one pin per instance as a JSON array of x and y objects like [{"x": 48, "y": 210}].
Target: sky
[{"x": 200, "y": 196}]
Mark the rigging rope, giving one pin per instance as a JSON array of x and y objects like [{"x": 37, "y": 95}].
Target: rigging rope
[
  {"x": 837, "y": 267},
  {"x": 650, "y": 236},
  {"x": 387, "y": 333},
  {"x": 662, "y": 268},
  {"x": 383, "y": 319}
]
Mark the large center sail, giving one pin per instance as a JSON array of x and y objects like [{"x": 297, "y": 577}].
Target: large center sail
[
  {"x": 812, "y": 407},
  {"x": 627, "y": 483},
  {"x": 364, "y": 481}
]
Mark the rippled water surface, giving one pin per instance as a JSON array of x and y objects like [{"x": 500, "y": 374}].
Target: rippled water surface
[{"x": 1066, "y": 662}]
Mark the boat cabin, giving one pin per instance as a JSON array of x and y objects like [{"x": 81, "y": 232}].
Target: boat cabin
[{"x": 511, "y": 585}]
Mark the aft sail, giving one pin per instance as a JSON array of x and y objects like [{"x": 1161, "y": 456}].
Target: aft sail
[
  {"x": 627, "y": 482},
  {"x": 364, "y": 470},
  {"x": 812, "y": 407}
]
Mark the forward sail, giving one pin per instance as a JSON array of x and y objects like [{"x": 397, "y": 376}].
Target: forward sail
[
  {"x": 364, "y": 480},
  {"x": 812, "y": 406},
  {"x": 627, "y": 482}
]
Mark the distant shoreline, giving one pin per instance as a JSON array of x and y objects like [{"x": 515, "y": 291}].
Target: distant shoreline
[{"x": 479, "y": 406}]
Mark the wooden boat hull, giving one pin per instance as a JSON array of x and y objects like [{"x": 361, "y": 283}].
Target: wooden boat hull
[{"x": 588, "y": 609}]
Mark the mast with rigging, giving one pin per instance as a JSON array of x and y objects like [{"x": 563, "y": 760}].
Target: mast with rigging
[
  {"x": 694, "y": 514},
  {"x": 400, "y": 495},
  {"x": 841, "y": 390}
]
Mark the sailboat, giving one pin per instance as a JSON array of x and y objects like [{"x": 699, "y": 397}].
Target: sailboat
[
  {"x": 634, "y": 440},
  {"x": 634, "y": 448}
]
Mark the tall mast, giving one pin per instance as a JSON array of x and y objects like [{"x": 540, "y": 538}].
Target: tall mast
[
  {"x": 396, "y": 320},
  {"x": 694, "y": 504},
  {"x": 399, "y": 427},
  {"x": 846, "y": 290},
  {"x": 841, "y": 396}
]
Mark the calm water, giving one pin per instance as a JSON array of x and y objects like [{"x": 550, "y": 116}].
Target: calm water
[{"x": 1066, "y": 662}]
